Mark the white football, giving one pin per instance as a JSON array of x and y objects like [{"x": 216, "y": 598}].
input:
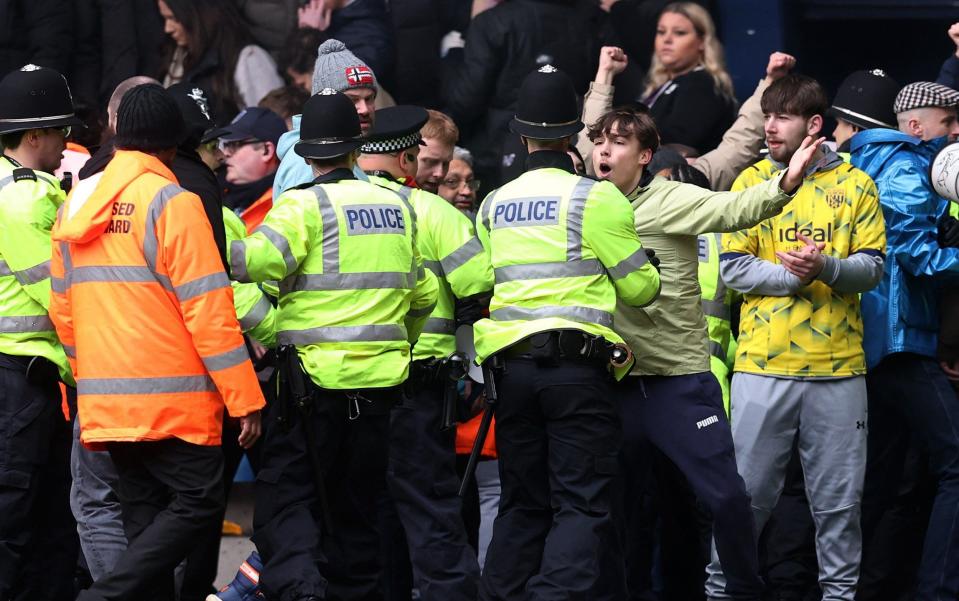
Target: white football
[{"x": 944, "y": 172}]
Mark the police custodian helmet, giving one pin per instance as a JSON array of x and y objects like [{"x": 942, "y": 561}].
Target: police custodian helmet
[
  {"x": 33, "y": 98},
  {"x": 546, "y": 109},
  {"x": 329, "y": 127},
  {"x": 866, "y": 100}
]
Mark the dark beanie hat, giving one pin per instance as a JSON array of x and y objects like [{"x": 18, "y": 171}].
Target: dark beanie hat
[{"x": 148, "y": 119}]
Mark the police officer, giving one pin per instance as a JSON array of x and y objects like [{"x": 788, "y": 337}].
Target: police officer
[
  {"x": 717, "y": 301},
  {"x": 353, "y": 297},
  {"x": 563, "y": 250},
  {"x": 37, "y": 535},
  {"x": 422, "y": 476}
]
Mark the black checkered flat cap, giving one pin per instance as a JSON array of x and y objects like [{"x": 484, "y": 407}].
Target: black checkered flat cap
[
  {"x": 922, "y": 94},
  {"x": 394, "y": 129}
]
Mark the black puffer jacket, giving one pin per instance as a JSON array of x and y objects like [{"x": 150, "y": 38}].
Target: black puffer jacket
[{"x": 503, "y": 45}]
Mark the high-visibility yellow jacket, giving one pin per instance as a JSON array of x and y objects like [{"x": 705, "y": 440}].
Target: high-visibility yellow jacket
[
  {"x": 353, "y": 291},
  {"x": 717, "y": 308},
  {"x": 563, "y": 248},
  {"x": 449, "y": 247},
  {"x": 28, "y": 207},
  {"x": 254, "y": 310}
]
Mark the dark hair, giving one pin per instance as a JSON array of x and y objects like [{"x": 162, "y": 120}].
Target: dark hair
[
  {"x": 629, "y": 121},
  {"x": 795, "y": 95},
  {"x": 286, "y": 101},
  {"x": 211, "y": 26},
  {"x": 577, "y": 153},
  {"x": 299, "y": 52},
  {"x": 687, "y": 174},
  {"x": 11, "y": 141}
]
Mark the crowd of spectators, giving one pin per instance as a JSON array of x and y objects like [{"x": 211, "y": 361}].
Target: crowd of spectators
[{"x": 249, "y": 66}]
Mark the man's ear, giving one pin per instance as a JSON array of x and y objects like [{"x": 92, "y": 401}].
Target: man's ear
[
  {"x": 915, "y": 127},
  {"x": 645, "y": 156},
  {"x": 814, "y": 125},
  {"x": 269, "y": 151}
]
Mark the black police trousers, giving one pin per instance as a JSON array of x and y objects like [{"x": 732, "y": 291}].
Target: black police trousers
[
  {"x": 557, "y": 435},
  {"x": 423, "y": 482},
  {"x": 667, "y": 412},
  {"x": 38, "y": 537},
  {"x": 299, "y": 558},
  {"x": 169, "y": 491}
]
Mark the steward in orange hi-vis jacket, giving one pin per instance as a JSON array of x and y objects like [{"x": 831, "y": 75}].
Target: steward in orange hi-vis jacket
[
  {"x": 145, "y": 312},
  {"x": 147, "y": 309}
]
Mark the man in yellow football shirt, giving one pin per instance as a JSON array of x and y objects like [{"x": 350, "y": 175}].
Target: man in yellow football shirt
[{"x": 800, "y": 365}]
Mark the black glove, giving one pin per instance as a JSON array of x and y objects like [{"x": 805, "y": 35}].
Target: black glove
[
  {"x": 468, "y": 311},
  {"x": 948, "y": 234},
  {"x": 651, "y": 255}
]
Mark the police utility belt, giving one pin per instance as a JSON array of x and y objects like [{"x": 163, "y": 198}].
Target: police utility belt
[
  {"x": 298, "y": 390},
  {"x": 39, "y": 371},
  {"x": 546, "y": 349}
]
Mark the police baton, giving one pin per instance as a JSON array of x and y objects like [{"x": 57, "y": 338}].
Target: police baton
[{"x": 490, "y": 385}]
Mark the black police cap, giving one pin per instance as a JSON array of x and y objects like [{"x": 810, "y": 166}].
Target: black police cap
[
  {"x": 35, "y": 97},
  {"x": 546, "y": 109},
  {"x": 329, "y": 127},
  {"x": 396, "y": 128},
  {"x": 866, "y": 99}
]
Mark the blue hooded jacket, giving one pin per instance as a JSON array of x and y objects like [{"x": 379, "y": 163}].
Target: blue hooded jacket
[{"x": 901, "y": 313}]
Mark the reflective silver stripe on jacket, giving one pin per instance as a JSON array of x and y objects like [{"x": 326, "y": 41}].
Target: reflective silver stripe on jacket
[
  {"x": 71, "y": 351},
  {"x": 579, "y": 314},
  {"x": 372, "y": 333},
  {"x": 281, "y": 244},
  {"x": 716, "y": 350},
  {"x": 629, "y": 265},
  {"x": 485, "y": 209},
  {"x": 25, "y": 323},
  {"x": 461, "y": 255},
  {"x": 536, "y": 271},
  {"x": 159, "y": 385},
  {"x": 435, "y": 266},
  {"x": 349, "y": 281},
  {"x": 201, "y": 285},
  {"x": 31, "y": 275},
  {"x": 156, "y": 208},
  {"x": 226, "y": 360},
  {"x": 256, "y": 314},
  {"x": 715, "y": 308},
  {"x": 238, "y": 269},
  {"x": 421, "y": 312},
  {"x": 574, "y": 218},
  {"x": 439, "y": 325},
  {"x": 112, "y": 273}
]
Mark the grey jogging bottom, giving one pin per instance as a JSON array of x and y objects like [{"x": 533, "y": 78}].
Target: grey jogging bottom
[{"x": 829, "y": 418}]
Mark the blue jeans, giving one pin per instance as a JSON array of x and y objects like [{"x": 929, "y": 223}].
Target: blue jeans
[
  {"x": 96, "y": 507},
  {"x": 909, "y": 394}
]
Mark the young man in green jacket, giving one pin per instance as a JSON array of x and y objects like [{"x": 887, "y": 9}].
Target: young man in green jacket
[{"x": 671, "y": 400}]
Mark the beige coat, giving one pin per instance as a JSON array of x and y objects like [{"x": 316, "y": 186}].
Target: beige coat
[{"x": 738, "y": 150}]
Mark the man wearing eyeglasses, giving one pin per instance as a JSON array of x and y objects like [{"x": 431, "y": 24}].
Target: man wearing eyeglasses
[
  {"x": 248, "y": 145},
  {"x": 459, "y": 186},
  {"x": 37, "y": 535}
]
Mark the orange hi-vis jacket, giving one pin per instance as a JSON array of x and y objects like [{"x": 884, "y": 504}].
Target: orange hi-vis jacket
[
  {"x": 145, "y": 310},
  {"x": 254, "y": 214}
]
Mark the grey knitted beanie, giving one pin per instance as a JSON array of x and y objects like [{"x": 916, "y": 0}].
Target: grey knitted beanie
[{"x": 338, "y": 68}]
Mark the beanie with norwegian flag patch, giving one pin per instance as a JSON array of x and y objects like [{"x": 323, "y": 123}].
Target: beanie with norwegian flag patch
[{"x": 338, "y": 68}]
